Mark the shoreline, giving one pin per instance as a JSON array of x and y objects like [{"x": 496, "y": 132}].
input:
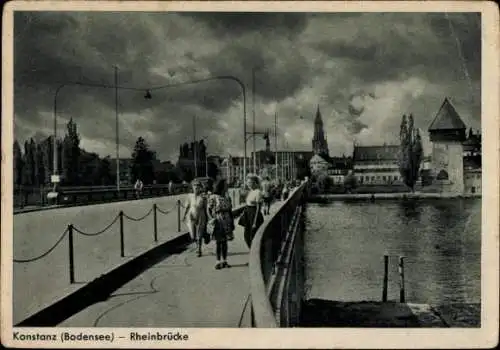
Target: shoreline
[{"x": 381, "y": 195}]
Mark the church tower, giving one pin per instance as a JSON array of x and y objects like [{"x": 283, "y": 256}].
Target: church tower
[
  {"x": 447, "y": 133},
  {"x": 319, "y": 144}
]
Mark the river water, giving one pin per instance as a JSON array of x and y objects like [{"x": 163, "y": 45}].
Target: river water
[{"x": 440, "y": 239}]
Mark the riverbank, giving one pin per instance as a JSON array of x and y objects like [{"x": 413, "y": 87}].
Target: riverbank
[
  {"x": 378, "y": 196},
  {"x": 327, "y": 313}
]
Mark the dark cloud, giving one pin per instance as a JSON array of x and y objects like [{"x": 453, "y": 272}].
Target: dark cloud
[
  {"x": 346, "y": 62},
  {"x": 236, "y": 24}
]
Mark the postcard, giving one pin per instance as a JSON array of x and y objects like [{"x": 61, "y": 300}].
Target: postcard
[{"x": 250, "y": 174}]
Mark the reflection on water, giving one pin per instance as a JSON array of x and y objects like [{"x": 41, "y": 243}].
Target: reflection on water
[{"x": 440, "y": 239}]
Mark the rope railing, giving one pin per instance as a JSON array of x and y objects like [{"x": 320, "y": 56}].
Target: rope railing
[
  {"x": 98, "y": 232},
  {"x": 44, "y": 254},
  {"x": 141, "y": 218},
  {"x": 166, "y": 212},
  {"x": 71, "y": 229}
]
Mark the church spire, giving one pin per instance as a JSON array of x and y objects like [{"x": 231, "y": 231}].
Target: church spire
[
  {"x": 319, "y": 144},
  {"x": 318, "y": 116}
]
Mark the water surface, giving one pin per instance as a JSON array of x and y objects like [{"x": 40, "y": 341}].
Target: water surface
[{"x": 440, "y": 239}]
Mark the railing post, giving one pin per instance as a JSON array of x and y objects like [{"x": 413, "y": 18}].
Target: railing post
[
  {"x": 122, "y": 240},
  {"x": 71, "y": 255},
  {"x": 386, "y": 273},
  {"x": 155, "y": 224},
  {"x": 178, "y": 215},
  {"x": 402, "y": 280}
]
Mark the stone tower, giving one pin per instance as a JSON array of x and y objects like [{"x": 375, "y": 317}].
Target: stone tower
[
  {"x": 319, "y": 144},
  {"x": 447, "y": 133}
]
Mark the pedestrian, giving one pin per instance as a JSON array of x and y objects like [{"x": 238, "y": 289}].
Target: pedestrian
[
  {"x": 286, "y": 191},
  {"x": 170, "y": 187},
  {"x": 266, "y": 194},
  {"x": 221, "y": 221},
  {"x": 252, "y": 218},
  {"x": 138, "y": 188},
  {"x": 196, "y": 214}
]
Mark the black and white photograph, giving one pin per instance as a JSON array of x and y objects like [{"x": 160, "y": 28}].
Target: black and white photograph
[{"x": 171, "y": 169}]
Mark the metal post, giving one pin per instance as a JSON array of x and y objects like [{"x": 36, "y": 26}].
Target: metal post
[
  {"x": 276, "y": 145},
  {"x": 117, "y": 133},
  {"x": 195, "y": 147},
  {"x": 155, "y": 223},
  {"x": 402, "y": 280},
  {"x": 386, "y": 273},
  {"x": 122, "y": 239},
  {"x": 71, "y": 255},
  {"x": 253, "y": 121},
  {"x": 178, "y": 215}
]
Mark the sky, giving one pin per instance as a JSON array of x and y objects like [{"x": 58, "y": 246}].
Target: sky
[{"x": 363, "y": 70}]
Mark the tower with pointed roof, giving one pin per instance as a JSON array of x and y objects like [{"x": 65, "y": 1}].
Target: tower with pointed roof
[
  {"x": 447, "y": 134},
  {"x": 319, "y": 143}
]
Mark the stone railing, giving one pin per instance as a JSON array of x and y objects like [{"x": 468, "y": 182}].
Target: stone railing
[{"x": 276, "y": 265}]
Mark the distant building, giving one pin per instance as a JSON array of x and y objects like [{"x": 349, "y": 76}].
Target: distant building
[
  {"x": 232, "y": 169},
  {"x": 376, "y": 164},
  {"x": 319, "y": 165},
  {"x": 447, "y": 134},
  {"x": 339, "y": 168}
]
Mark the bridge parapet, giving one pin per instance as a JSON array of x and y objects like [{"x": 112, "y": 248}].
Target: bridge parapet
[{"x": 276, "y": 265}]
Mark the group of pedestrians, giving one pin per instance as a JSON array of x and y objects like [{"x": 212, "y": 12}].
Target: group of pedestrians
[{"x": 209, "y": 217}]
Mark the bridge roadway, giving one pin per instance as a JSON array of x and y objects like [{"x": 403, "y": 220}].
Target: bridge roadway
[
  {"x": 40, "y": 283},
  {"x": 181, "y": 291}
]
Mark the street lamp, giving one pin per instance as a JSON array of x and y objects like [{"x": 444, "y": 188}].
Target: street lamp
[
  {"x": 55, "y": 171},
  {"x": 218, "y": 77}
]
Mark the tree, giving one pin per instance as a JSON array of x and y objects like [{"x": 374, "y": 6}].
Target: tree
[
  {"x": 105, "y": 174},
  {"x": 40, "y": 164},
  {"x": 142, "y": 162},
  {"x": 18, "y": 164},
  {"x": 71, "y": 154},
  {"x": 47, "y": 158},
  {"x": 29, "y": 165},
  {"x": 410, "y": 153},
  {"x": 350, "y": 182}
]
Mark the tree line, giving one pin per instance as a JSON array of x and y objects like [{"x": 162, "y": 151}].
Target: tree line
[{"x": 33, "y": 163}]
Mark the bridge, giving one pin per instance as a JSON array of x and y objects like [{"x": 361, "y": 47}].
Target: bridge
[{"x": 129, "y": 263}]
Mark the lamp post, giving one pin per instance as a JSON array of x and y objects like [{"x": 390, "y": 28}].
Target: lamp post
[
  {"x": 195, "y": 148},
  {"x": 218, "y": 77},
  {"x": 55, "y": 171}
]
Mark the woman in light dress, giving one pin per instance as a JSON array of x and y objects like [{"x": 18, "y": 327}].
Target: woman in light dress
[
  {"x": 252, "y": 217},
  {"x": 196, "y": 213}
]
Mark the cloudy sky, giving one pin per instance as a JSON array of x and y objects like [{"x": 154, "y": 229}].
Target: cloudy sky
[{"x": 363, "y": 70}]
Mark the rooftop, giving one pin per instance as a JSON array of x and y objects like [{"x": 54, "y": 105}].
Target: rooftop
[
  {"x": 376, "y": 153},
  {"x": 447, "y": 118}
]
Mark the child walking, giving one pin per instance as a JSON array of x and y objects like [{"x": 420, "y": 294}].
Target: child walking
[{"x": 219, "y": 209}]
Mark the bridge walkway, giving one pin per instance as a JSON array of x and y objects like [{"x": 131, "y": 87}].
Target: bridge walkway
[{"x": 181, "y": 291}]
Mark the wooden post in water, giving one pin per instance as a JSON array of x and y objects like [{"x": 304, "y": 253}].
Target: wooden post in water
[
  {"x": 386, "y": 276},
  {"x": 402, "y": 280}
]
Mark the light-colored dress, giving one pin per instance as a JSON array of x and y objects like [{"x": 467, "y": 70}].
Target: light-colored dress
[
  {"x": 254, "y": 197},
  {"x": 197, "y": 215}
]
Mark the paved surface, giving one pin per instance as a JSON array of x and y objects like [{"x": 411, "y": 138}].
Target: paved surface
[
  {"x": 182, "y": 291},
  {"x": 40, "y": 283}
]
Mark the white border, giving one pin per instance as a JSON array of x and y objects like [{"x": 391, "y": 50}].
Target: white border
[{"x": 486, "y": 336}]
